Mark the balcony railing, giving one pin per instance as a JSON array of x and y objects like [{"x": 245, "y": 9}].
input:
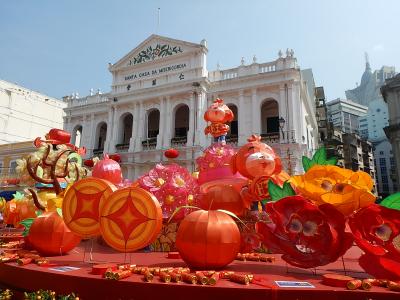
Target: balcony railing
[
  {"x": 98, "y": 151},
  {"x": 149, "y": 144},
  {"x": 179, "y": 141},
  {"x": 232, "y": 140},
  {"x": 270, "y": 138},
  {"x": 122, "y": 147}
]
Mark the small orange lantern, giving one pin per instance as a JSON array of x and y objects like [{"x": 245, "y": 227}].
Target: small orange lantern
[{"x": 222, "y": 197}]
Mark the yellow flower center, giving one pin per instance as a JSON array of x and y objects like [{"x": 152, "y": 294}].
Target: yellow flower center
[
  {"x": 179, "y": 181},
  {"x": 220, "y": 152},
  {"x": 169, "y": 199},
  {"x": 211, "y": 165},
  {"x": 159, "y": 182},
  {"x": 190, "y": 199}
]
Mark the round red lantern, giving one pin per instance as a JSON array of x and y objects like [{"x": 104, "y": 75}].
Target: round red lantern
[
  {"x": 208, "y": 239},
  {"x": 49, "y": 235},
  {"x": 88, "y": 163},
  {"x": 222, "y": 197},
  {"x": 171, "y": 153},
  {"x": 108, "y": 169}
]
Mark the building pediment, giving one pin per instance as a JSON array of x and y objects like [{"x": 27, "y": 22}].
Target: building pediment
[{"x": 155, "y": 48}]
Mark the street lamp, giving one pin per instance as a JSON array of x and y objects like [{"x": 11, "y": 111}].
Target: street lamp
[{"x": 281, "y": 125}]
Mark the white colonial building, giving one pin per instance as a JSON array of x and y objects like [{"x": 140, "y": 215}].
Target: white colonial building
[{"x": 161, "y": 89}]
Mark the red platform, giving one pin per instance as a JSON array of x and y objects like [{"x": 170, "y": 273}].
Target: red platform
[{"x": 89, "y": 286}]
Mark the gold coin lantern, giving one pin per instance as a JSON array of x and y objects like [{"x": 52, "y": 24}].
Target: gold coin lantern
[
  {"x": 130, "y": 219},
  {"x": 82, "y": 205}
]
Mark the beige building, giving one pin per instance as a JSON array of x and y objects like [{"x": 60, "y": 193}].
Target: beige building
[{"x": 391, "y": 95}]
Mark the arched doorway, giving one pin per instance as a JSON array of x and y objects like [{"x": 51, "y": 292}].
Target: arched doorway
[
  {"x": 270, "y": 120},
  {"x": 153, "y": 123},
  {"x": 77, "y": 136},
  {"x": 101, "y": 135},
  {"x": 234, "y": 125},
  {"x": 181, "y": 124},
  {"x": 125, "y": 134}
]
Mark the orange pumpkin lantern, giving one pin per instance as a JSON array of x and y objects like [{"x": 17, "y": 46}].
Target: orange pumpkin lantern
[
  {"x": 222, "y": 197},
  {"x": 208, "y": 239},
  {"x": 49, "y": 235}
]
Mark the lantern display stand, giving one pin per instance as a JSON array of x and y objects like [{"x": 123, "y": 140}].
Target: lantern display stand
[{"x": 79, "y": 279}]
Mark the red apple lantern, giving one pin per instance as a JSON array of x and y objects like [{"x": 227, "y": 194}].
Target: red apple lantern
[
  {"x": 222, "y": 197},
  {"x": 171, "y": 153},
  {"x": 208, "y": 239},
  {"x": 108, "y": 169},
  {"x": 49, "y": 235}
]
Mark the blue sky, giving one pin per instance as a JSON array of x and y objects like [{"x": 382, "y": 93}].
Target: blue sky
[{"x": 60, "y": 47}]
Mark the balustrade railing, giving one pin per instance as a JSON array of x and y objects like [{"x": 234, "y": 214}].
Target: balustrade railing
[{"x": 179, "y": 141}]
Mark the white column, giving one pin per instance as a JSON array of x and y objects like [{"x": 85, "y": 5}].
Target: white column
[
  {"x": 241, "y": 119},
  {"x": 168, "y": 127},
  {"x": 191, "y": 121},
  {"x": 256, "y": 114},
  {"x": 132, "y": 110},
  {"x": 135, "y": 129},
  {"x": 109, "y": 130},
  {"x": 283, "y": 111},
  {"x": 115, "y": 128},
  {"x": 160, "y": 136},
  {"x": 92, "y": 137},
  {"x": 201, "y": 106},
  {"x": 140, "y": 133}
]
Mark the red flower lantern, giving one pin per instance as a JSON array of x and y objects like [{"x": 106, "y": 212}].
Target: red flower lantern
[
  {"x": 376, "y": 230},
  {"x": 171, "y": 153},
  {"x": 222, "y": 197},
  {"x": 307, "y": 235},
  {"x": 108, "y": 169},
  {"x": 49, "y": 235},
  {"x": 208, "y": 239}
]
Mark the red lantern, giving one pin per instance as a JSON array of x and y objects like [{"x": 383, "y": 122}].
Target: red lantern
[
  {"x": 59, "y": 135},
  {"x": 208, "y": 239},
  {"x": 108, "y": 169},
  {"x": 88, "y": 163},
  {"x": 116, "y": 157},
  {"x": 222, "y": 197},
  {"x": 49, "y": 235},
  {"x": 171, "y": 153}
]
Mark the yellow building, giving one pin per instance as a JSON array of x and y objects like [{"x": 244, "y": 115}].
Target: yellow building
[{"x": 9, "y": 153}]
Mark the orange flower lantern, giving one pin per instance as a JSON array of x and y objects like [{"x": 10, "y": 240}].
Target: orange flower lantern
[
  {"x": 49, "y": 235},
  {"x": 208, "y": 239}
]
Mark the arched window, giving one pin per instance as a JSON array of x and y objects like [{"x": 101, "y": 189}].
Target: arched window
[
  {"x": 77, "y": 136},
  {"x": 125, "y": 134},
  {"x": 233, "y": 126},
  {"x": 153, "y": 123},
  {"x": 181, "y": 124},
  {"x": 270, "y": 118},
  {"x": 101, "y": 134}
]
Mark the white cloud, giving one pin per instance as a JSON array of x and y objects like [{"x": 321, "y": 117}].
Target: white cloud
[{"x": 378, "y": 47}]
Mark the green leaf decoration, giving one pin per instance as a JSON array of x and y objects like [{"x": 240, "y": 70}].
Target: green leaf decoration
[
  {"x": 319, "y": 158},
  {"x": 277, "y": 193},
  {"x": 27, "y": 224},
  {"x": 392, "y": 201},
  {"x": 18, "y": 196},
  {"x": 59, "y": 211},
  {"x": 38, "y": 213}
]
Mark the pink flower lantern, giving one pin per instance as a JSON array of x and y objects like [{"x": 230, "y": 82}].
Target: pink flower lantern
[{"x": 173, "y": 186}]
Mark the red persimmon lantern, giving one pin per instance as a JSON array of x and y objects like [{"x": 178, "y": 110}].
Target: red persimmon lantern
[
  {"x": 222, "y": 197},
  {"x": 208, "y": 239},
  {"x": 171, "y": 153},
  {"x": 108, "y": 169},
  {"x": 49, "y": 235}
]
